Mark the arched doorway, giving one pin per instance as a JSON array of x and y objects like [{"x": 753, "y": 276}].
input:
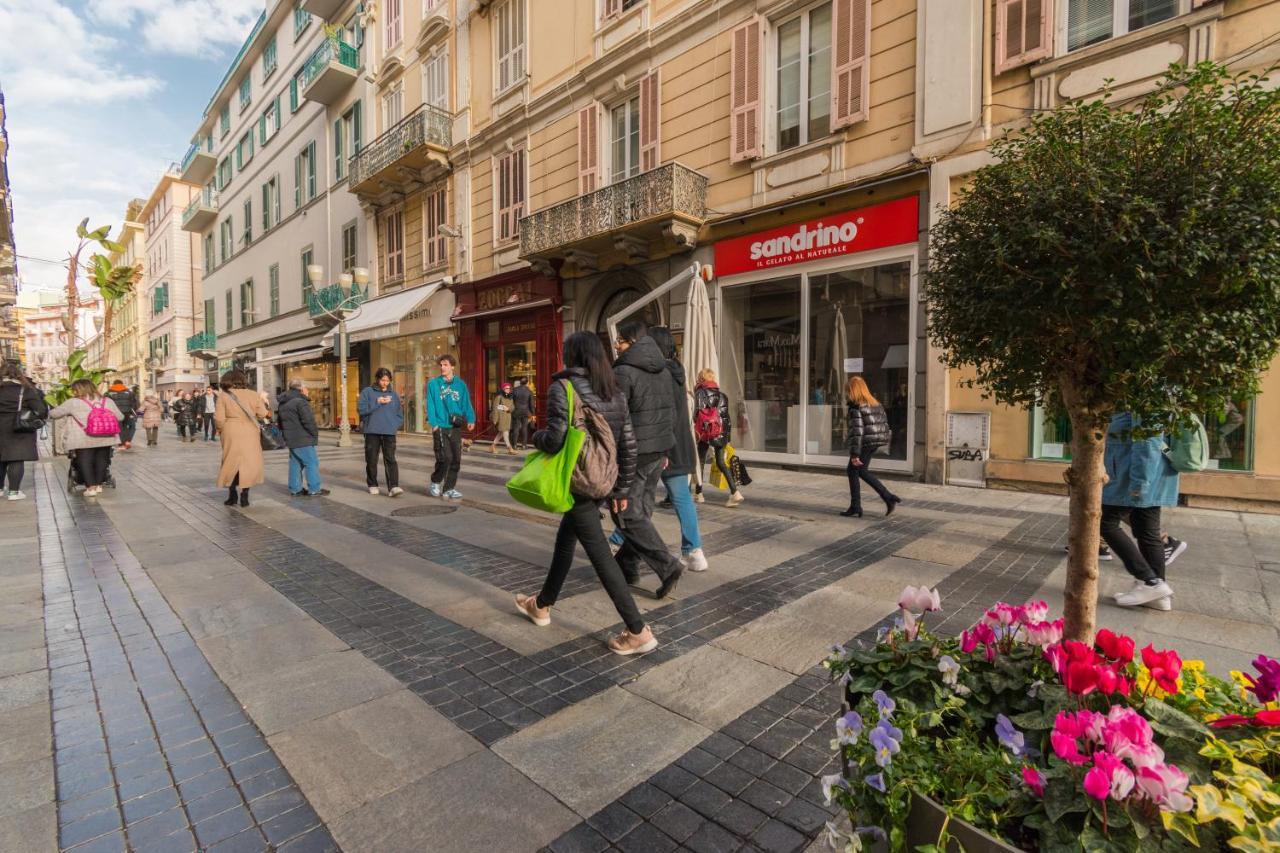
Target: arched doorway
[{"x": 625, "y": 288}]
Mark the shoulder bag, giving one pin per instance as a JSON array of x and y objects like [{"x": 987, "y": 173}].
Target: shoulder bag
[
  {"x": 26, "y": 420},
  {"x": 545, "y": 482},
  {"x": 269, "y": 435}
]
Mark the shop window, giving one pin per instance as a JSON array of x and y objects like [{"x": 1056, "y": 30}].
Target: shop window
[
  {"x": 509, "y": 32},
  {"x": 760, "y": 364},
  {"x": 1092, "y": 21},
  {"x": 624, "y": 140},
  {"x": 803, "y": 78}
]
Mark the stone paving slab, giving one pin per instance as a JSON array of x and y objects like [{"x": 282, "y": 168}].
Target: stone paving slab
[
  {"x": 315, "y": 687},
  {"x": 710, "y": 685}
]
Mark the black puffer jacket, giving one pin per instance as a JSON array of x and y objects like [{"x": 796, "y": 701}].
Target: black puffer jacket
[
  {"x": 868, "y": 428},
  {"x": 297, "y": 421},
  {"x": 551, "y": 438},
  {"x": 711, "y": 395},
  {"x": 682, "y": 456},
  {"x": 124, "y": 401},
  {"x": 646, "y": 385}
]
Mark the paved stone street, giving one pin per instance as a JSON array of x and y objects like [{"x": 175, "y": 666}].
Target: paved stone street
[{"x": 350, "y": 673}]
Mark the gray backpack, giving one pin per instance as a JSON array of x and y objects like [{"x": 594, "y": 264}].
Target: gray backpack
[{"x": 596, "y": 473}]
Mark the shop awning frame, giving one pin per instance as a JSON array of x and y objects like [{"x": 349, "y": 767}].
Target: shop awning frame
[
  {"x": 505, "y": 309},
  {"x": 683, "y": 277},
  {"x": 296, "y": 355},
  {"x": 381, "y": 317}
]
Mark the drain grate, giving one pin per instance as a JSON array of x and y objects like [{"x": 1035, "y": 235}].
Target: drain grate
[{"x": 423, "y": 510}]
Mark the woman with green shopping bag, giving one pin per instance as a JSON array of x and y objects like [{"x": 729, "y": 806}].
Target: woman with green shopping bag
[{"x": 588, "y": 382}]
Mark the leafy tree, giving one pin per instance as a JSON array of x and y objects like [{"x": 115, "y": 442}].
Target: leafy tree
[{"x": 1118, "y": 257}]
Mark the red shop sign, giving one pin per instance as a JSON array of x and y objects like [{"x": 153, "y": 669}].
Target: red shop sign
[{"x": 890, "y": 224}]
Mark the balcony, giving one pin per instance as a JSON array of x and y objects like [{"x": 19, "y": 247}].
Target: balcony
[
  {"x": 656, "y": 213},
  {"x": 202, "y": 212},
  {"x": 329, "y": 72},
  {"x": 198, "y": 164},
  {"x": 330, "y": 299},
  {"x": 203, "y": 345},
  {"x": 401, "y": 158},
  {"x": 324, "y": 9}
]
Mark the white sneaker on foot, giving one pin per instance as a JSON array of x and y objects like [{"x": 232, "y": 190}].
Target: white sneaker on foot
[
  {"x": 695, "y": 561},
  {"x": 395, "y": 492},
  {"x": 373, "y": 490},
  {"x": 434, "y": 491},
  {"x": 1160, "y": 604},
  {"x": 16, "y": 496},
  {"x": 1142, "y": 593},
  {"x": 698, "y": 498},
  {"x": 735, "y": 499}
]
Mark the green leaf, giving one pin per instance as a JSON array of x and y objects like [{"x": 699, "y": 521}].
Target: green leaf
[
  {"x": 1211, "y": 806},
  {"x": 1171, "y": 722},
  {"x": 82, "y": 228},
  {"x": 76, "y": 358},
  {"x": 1063, "y": 797},
  {"x": 1182, "y": 823}
]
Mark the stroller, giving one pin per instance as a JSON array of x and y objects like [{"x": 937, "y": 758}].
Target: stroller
[{"x": 74, "y": 479}]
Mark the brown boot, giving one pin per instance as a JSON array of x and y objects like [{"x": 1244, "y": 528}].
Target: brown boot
[
  {"x": 628, "y": 643},
  {"x": 528, "y": 606}
]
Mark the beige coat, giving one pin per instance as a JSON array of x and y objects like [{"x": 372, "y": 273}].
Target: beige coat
[
  {"x": 241, "y": 446},
  {"x": 151, "y": 412}
]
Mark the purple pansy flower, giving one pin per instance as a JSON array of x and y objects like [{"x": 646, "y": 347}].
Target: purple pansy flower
[
  {"x": 1010, "y": 738},
  {"x": 885, "y": 704},
  {"x": 886, "y": 739},
  {"x": 876, "y": 780}
]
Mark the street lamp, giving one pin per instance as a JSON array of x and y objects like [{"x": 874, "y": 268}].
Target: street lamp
[{"x": 349, "y": 305}]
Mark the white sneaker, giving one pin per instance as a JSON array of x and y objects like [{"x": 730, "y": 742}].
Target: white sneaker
[
  {"x": 16, "y": 496},
  {"x": 373, "y": 490},
  {"x": 698, "y": 498},
  {"x": 453, "y": 495},
  {"x": 695, "y": 560},
  {"x": 735, "y": 499},
  {"x": 396, "y": 492},
  {"x": 1173, "y": 549},
  {"x": 1160, "y": 604},
  {"x": 434, "y": 491},
  {"x": 1143, "y": 593}
]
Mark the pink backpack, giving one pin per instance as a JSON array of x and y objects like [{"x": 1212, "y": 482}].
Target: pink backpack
[{"x": 101, "y": 423}]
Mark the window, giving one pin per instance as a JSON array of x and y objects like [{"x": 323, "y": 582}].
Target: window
[
  {"x": 210, "y": 319},
  {"x": 392, "y": 107},
  {"x": 295, "y": 86},
  {"x": 392, "y": 29},
  {"x": 509, "y": 27},
  {"x": 349, "y": 235},
  {"x": 229, "y": 298},
  {"x": 610, "y": 9},
  {"x": 435, "y": 80},
  {"x": 346, "y": 140},
  {"x": 208, "y": 253},
  {"x": 307, "y": 255},
  {"x": 353, "y": 34},
  {"x": 224, "y": 120},
  {"x": 224, "y": 239},
  {"x": 269, "y": 123},
  {"x": 301, "y": 19},
  {"x": 246, "y": 92},
  {"x": 434, "y": 250},
  {"x": 429, "y": 5},
  {"x": 244, "y": 150},
  {"x": 304, "y": 175},
  {"x": 393, "y": 235},
  {"x": 159, "y": 299},
  {"x": 509, "y": 194},
  {"x": 271, "y": 203},
  {"x": 624, "y": 140},
  {"x": 273, "y": 289},
  {"x": 224, "y": 172},
  {"x": 803, "y": 80},
  {"x": 246, "y": 303},
  {"x": 247, "y": 236},
  {"x": 269, "y": 58},
  {"x": 1091, "y": 21}
]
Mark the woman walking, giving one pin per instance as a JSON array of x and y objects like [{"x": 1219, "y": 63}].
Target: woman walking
[
  {"x": 594, "y": 386},
  {"x": 712, "y": 426},
  {"x": 152, "y": 414},
  {"x": 238, "y": 415},
  {"x": 185, "y": 415},
  {"x": 867, "y": 432},
  {"x": 500, "y": 412},
  {"x": 17, "y": 446},
  {"x": 89, "y": 437}
]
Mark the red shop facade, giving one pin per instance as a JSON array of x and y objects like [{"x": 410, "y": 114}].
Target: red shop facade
[{"x": 509, "y": 327}]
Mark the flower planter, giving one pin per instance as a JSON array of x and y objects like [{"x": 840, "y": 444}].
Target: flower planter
[{"x": 925, "y": 823}]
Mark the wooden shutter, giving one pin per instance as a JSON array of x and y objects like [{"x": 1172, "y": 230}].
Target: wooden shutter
[
  {"x": 589, "y": 148},
  {"x": 357, "y": 133},
  {"x": 393, "y": 24},
  {"x": 1024, "y": 32},
  {"x": 850, "y": 62},
  {"x": 650, "y": 121},
  {"x": 611, "y": 9},
  {"x": 746, "y": 106},
  {"x": 337, "y": 149}
]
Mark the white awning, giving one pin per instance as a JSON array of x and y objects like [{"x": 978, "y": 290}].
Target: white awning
[
  {"x": 304, "y": 354},
  {"x": 380, "y": 318}
]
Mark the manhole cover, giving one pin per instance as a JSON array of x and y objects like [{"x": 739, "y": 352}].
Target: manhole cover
[{"x": 424, "y": 510}]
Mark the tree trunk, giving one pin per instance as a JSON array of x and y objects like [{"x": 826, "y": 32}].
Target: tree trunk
[{"x": 1084, "y": 483}]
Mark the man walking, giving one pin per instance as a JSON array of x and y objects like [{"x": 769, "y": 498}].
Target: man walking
[
  {"x": 380, "y": 418},
  {"x": 208, "y": 404},
  {"x": 448, "y": 411},
  {"x": 298, "y": 423},
  {"x": 127, "y": 403},
  {"x": 522, "y": 405},
  {"x": 643, "y": 378}
]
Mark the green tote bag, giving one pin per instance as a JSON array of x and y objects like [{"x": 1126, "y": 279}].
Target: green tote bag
[{"x": 543, "y": 482}]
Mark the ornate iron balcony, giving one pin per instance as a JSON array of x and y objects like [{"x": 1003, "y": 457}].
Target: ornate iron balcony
[
  {"x": 669, "y": 202},
  {"x": 326, "y": 299},
  {"x": 406, "y": 144},
  {"x": 202, "y": 342}
]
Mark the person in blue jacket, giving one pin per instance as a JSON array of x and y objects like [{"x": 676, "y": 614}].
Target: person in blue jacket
[
  {"x": 1140, "y": 481},
  {"x": 381, "y": 415},
  {"x": 448, "y": 411}
]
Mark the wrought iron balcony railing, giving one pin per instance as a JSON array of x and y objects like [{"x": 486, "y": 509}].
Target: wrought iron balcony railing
[
  {"x": 671, "y": 191},
  {"x": 427, "y": 125},
  {"x": 202, "y": 342},
  {"x": 333, "y": 297},
  {"x": 207, "y": 200},
  {"x": 330, "y": 50}
]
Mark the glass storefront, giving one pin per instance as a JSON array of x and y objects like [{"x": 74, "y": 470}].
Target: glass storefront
[
  {"x": 790, "y": 343},
  {"x": 412, "y": 362}
]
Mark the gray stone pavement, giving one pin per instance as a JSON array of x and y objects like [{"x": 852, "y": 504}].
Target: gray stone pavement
[{"x": 349, "y": 672}]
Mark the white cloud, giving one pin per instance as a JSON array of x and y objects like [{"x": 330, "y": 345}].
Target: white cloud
[{"x": 202, "y": 28}]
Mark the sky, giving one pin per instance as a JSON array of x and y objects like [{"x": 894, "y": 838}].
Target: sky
[{"x": 100, "y": 97}]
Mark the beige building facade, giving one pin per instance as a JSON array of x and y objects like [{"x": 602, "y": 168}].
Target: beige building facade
[
  {"x": 170, "y": 290},
  {"x": 11, "y": 340},
  {"x": 42, "y": 324}
]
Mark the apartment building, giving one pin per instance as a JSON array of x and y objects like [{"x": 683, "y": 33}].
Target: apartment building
[
  {"x": 11, "y": 342},
  {"x": 124, "y": 349},
  {"x": 278, "y": 230},
  {"x": 42, "y": 325},
  {"x": 171, "y": 287}
]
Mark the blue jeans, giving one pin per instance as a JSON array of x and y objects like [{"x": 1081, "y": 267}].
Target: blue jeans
[
  {"x": 299, "y": 458},
  {"x": 682, "y": 500}
]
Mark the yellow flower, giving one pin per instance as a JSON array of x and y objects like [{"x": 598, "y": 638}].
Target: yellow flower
[{"x": 1193, "y": 666}]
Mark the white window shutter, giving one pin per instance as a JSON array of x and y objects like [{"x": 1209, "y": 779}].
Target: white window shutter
[
  {"x": 1024, "y": 32},
  {"x": 611, "y": 9},
  {"x": 850, "y": 62},
  {"x": 650, "y": 121},
  {"x": 746, "y": 106},
  {"x": 589, "y": 148}
]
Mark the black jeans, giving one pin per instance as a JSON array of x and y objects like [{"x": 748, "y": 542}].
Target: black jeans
[
  {"x": 186, "y": 430},
  {"x": 582, "y": 524},
  {"x": 128, "y": 427},
  {"x": 93, "y": 464},
  {"x": 520, "y": 428},
  {"x": 386, "y": 444},
  {"x": 206, "y": 422},
  {"x": 1144, "y": 560},
  {"x": 640, "y": 539},
  {"x": 447, "y": 444},
  {"x": 858, "y": 473},
  {"x": 11, "y": 475},
  {"x": 703, "y": 446}
]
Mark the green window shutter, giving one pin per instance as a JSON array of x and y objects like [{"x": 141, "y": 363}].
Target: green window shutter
[
  {"x": 355, "y": 129},
  {"x": 311, "y": 171},
  {"x": 297, "y": 181},
  {"x": 337, "y": 149},
  {"x": 276, "y": 112},
  {"x": 262, "y": 130},
  {"x": 293, "y": 95}
]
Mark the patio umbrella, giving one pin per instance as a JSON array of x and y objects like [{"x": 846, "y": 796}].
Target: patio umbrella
[{"x": 699, "y": 344}]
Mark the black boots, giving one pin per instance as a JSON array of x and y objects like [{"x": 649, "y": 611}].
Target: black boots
[
  {"x": 244, "y": 497},
  {"x": 852, "y": 512},
  {"x": 232, "y": 497},
  {"x": 889, "y": 503}
]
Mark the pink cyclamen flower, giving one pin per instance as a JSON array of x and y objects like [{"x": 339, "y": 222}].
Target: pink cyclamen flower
[
  {"x": 1034, "y": 780},
  {"x": 1043, "y": 633},
  {"x": 1035, "y": 611},
  {"x": 1165, "y": 667},
  {"x": 1267, "y": 685},
  {"x": 1003, "y": 615},
  {"x": 920, "y": 599},
  {"x": 1128, "y": 735},
  {"x": 1116, "y": 647},
  {"x": 910, "y": 626},
  {"x": 1166, "y": 786},
  {"x": 1119, "y": 776}
]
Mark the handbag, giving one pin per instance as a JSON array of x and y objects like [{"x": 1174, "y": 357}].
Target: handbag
[
  {"x": 544, "y": 482},
  {"x": 457, "y": 421},
  {"x": 269, "y": 435},
  {"x": 26, "y": 420}
]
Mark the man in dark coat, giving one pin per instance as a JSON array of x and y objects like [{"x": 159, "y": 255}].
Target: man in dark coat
[
  {"x": 522, "y": 403},
  {"x": 646, "y": 383},
  {"x": 127, "y": 403},
  {"x": 301, "y": 435}
]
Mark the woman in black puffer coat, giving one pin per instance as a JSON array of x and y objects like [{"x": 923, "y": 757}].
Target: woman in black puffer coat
[
  {"x": 595, "y": 387},
  {"x": 17, "y": 394},
  {"x": 868, "y": 431}
]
